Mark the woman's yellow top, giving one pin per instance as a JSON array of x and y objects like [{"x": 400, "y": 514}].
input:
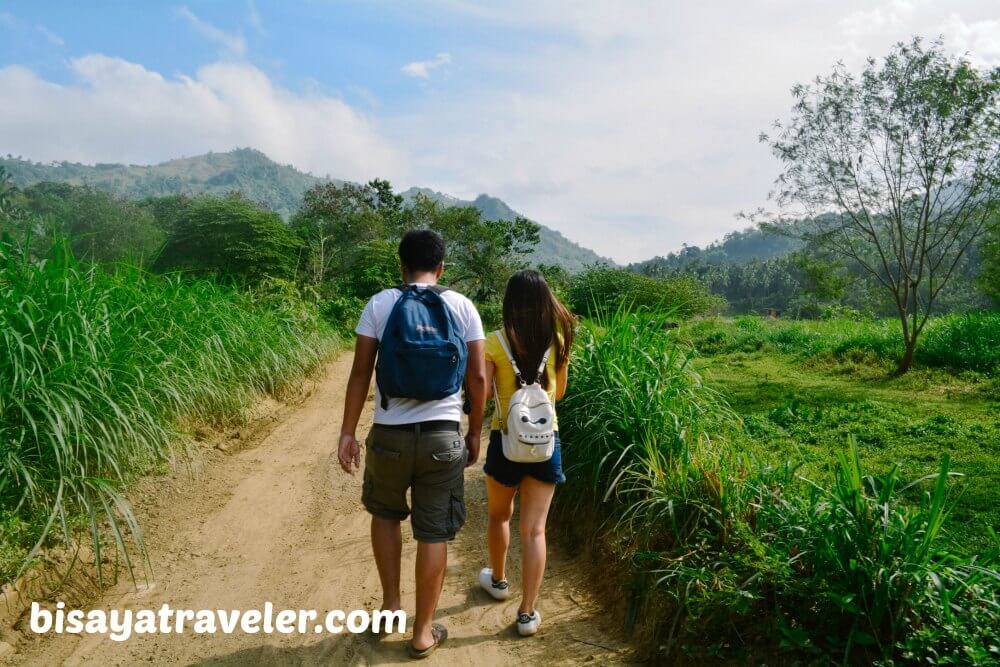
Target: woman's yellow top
[{"x": 506, "y": 383}]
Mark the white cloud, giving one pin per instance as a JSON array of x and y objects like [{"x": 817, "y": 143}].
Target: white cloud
[
  {"x": 119, "y": 111},
  {"x": 254, "y": 17},
  {"x": 980, "y": 39},
  {"x": 421, "y": 69},
  {"x": 24, "y": 29},
  {"x": 878, "y": 19},
  {"x": 231, "y": 44},
  {"x": 50, "y": 36},
  {"x": 632, "y": 127}
]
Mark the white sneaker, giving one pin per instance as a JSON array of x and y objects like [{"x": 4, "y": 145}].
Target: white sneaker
[
  {"x": 527, "y": 624},
  {"x": 500, "y": 590}
]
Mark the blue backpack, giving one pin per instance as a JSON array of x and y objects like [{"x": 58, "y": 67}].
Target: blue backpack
[{"x": 422, "y": 354}]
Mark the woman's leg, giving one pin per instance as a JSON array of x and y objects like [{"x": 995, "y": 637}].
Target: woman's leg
[
  {"x": 500, "y": 500},
  {"x": 536, "y": 497}
]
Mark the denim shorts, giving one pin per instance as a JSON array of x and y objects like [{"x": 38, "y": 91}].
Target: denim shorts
[{"x": 510, "y": 473}]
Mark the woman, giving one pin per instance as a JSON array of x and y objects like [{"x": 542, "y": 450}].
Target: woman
[{"x": 534, "y": 322}]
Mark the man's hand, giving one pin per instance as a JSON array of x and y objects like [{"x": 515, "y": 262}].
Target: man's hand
[
  {"x": 349, "y": 453},
  {"x": 472, "y": 444}
]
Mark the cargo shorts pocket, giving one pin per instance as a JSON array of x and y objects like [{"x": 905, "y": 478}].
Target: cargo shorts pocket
[
  {"x": 457, "y": 508},
  {"x": 449, "y": 455},
  {"x": 386, "y": 480}
]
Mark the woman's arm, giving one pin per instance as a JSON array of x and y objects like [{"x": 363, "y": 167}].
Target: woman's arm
[
  {"x": 562, "y": 379},
  {"x": 491, "y": 370}
]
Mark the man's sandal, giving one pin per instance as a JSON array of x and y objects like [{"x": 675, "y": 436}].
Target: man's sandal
[{"x": 438, "y": 632}]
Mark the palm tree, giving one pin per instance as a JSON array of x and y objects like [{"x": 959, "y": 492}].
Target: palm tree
[{"x": 7, "y": 192}]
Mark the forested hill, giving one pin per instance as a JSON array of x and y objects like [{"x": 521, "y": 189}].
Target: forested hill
[
  {"x": 737, "y": 247},
  {"x": 553, "y": 247},
  {"x": 260, "y": 179}
]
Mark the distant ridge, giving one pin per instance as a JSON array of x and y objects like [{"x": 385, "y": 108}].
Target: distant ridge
[
  {"x": 738, "y": 247},
  {"x": 258, "y": 177},
  {"x": 553, "y": 247}
]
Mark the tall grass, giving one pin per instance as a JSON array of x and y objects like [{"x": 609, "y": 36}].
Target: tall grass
[
  {"x": 758, "y": 558},
  {"x": 96, "y": 368},
  {"x": 647, "y": 420}
]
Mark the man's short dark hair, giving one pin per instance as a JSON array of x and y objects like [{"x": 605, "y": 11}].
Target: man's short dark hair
[{"x": 421, "y": 250}]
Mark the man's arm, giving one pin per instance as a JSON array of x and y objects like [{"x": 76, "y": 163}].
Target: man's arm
[
  {"x": 349, "y": 451},
  {"x": 475, "y": 386}
]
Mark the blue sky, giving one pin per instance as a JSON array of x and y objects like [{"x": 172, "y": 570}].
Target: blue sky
[{"x": 631, "y": 127}]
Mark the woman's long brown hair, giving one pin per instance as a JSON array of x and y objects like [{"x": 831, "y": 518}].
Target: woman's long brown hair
[{"x": 531, "y": 317}]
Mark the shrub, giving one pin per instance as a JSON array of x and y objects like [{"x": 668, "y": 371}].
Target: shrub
[
  {"x": 969, "y": 341},
  {"x": 230, "y": 238},
  {"x": 868, "y": 570},
  {"x": 605, "y": 290}
]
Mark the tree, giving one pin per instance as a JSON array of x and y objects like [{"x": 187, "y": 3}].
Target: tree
[
  {"x": 166, "y": 210},
  {"x": 100, "y": 226},
  {"x": 338, "y": 221},
  {"x": 232, "y": 238},
  {"x": 482, "y": 254},
  {"x": 989, "y": 272},
  {"x": 7, "y": 194},
  {"x": 900, "y": 169}
]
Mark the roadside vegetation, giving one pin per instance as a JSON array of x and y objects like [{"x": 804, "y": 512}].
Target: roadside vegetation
[
  {"x": 823, "y": 525},
  {"x": 98, "y": 367}
]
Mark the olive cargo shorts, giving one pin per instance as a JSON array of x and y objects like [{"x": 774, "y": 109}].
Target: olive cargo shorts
[{"x": 429, "y": 462}]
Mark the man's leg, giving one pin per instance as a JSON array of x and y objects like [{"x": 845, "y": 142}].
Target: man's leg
[
  {"x": 387, "y": 544},
  {"x": 438, "y": 514},
  {"x": 432, "y": 559},
  {"x": 388, "y": 462}
]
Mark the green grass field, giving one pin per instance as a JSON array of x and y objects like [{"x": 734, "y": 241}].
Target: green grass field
[{"x": 803, "y": 412}]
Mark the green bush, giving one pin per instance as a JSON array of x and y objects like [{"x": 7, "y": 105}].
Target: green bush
[
  {"x": 97, "y": 366},
  {"x": 871, "y": 576},
  {"x": 231, "y": 238},
  {"x": 605, "y": 290},
  {"x": 962, "y": 341}
]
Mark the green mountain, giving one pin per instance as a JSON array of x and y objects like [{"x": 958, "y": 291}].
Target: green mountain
[
  {"x": 553, "y": 247},
  {"x": 737, "y": 247},
  {"x": 261, "y": 179}
]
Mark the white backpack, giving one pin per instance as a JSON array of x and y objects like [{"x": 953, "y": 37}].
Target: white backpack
[{"x": 527, "y": 434}]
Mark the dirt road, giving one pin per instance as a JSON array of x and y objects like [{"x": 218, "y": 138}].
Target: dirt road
[{"x": 279, "y": 521}]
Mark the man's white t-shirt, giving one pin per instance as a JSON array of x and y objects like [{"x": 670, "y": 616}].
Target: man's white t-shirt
[{"x": 408, "y": 410}]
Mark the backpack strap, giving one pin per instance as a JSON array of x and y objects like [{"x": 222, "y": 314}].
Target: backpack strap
[
  {"x": 437, "y": 289},
  {"x": 510, "y": 357},
  {"x": 517, "y": 371}
]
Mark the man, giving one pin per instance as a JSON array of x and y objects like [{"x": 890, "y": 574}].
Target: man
[{"x": 415, "y": 444}]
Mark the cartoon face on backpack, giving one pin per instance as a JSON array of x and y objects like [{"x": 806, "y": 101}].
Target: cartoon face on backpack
[{"x": 530, "y": 417}]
